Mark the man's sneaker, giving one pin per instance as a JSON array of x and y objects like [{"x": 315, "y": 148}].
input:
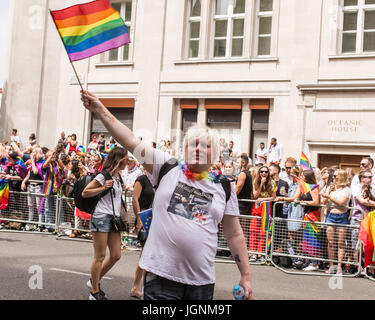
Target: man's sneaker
[
  {"x": 89, "y": 285},
  {"x": 253, "y": 258},
  {"x": 97, "y": 296}
]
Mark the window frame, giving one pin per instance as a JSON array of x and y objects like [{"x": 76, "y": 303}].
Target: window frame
[
  {"x": 190, "y": 19},
  {"x": 129, "y": 24},
  {"x": 259, "y": 15},
  {"x": 230, "y": 17},
  {"x": 360, "y": 9}
]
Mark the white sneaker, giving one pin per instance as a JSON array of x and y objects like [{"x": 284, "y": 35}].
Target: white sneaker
[
  {"x": 253, "y": 258},
  {"x": 311, "y": 268}
]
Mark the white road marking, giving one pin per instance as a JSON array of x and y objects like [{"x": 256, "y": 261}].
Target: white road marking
[{"x": 75, "y": 272}]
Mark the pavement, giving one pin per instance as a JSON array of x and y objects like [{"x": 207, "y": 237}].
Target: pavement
[{"x": 40, "y": 267}]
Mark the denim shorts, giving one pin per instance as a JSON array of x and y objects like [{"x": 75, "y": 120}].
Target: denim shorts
[
  {"x": 101, "y": 224},
  {"x": 338, "y": 218}
]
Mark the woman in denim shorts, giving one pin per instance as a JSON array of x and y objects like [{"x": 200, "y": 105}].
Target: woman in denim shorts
[
  {"x": 337, "y": 196},
  {"x": 101, "y": 219}
]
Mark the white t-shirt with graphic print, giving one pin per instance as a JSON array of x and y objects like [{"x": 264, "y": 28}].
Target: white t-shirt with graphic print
[{"x": 182, "y": 241}]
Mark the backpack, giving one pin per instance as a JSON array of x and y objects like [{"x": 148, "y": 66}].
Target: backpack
[
  {"x": 88, "y": 205},
  {"x": 169, "y": 165}
]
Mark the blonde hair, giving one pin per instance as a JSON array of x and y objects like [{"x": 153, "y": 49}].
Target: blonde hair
[
  {"x": 198, "y": 131},
  {"x": 342, "y": 178}
]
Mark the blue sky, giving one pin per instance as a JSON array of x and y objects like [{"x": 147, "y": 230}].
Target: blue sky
[{"x": 4, "y": 11}]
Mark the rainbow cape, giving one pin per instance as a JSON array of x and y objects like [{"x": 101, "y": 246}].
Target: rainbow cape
[
  {"x": 266, "y": 214},
  {"x": 4, "y": 194},
  {"x": 305, "y": 187},
  {"x": 90, "y": 28},
  {"x": 304, "y": 163},
  {"x": 367, "y": 236}
]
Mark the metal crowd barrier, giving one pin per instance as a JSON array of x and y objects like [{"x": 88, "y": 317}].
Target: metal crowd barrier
[
  {"x": 295, "y": 243},
  {"x": 257, "y": 240},
  {"x": 281, "y": 245},
  {"x": 22, "y": 214}
]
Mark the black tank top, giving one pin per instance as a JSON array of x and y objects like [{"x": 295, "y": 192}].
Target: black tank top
[
  {"x": 307, "y": 197},
  {"x": 247, "y": 189}
]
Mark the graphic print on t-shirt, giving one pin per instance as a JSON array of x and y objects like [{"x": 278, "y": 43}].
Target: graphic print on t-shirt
[{"x": 190, "y": 203}]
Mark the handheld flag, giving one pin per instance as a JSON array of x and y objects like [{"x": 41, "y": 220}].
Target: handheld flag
[
  {"x": 266, "y": 213},
  {"x": 90, "y": 28},
  {"x": 146, "y": 218},
  {"x": 305, "y": 187},
  {"x": 4, "y": 194},
  {"x": 304, "y": 163}
]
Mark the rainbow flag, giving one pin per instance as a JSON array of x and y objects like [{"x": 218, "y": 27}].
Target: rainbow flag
[
  {"x": 367, "y": 236},
  {"x": 305, "y": 187},
  {"x": 90, "y": 28},
  {"x": 311, "y": 237},
  {"x": 304, "y": 163},
  {"x": 266, "y": 214},
  {"x": 4, "y": 194}
]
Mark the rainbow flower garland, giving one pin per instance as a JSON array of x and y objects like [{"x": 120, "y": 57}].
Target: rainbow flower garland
[{"x": 190, "y": 175}]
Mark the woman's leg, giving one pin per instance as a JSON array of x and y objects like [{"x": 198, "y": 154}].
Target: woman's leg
[
  {"x": 341, "y": 247},
  {"x": 331, "y": 244},
  {"x": 139, "y": 274},
  {"x": 114, "y": 245},
  {"x": 100, "y": 240}
]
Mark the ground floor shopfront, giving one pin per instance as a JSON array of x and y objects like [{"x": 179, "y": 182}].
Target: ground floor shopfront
[{"x": 332, "y": 124}]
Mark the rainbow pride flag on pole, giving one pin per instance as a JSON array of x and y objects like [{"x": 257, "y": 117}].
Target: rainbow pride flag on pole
[
  {"x": 90, "y": 28},
  {"x": 305, "y": 187},
  {"x": 4, "y": 194},
  {"x": 266, "y": 214},
  {"x": 305, "y": 163}
]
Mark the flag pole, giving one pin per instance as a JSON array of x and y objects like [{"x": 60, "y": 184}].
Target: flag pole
[{"x": 75, "y": 71}]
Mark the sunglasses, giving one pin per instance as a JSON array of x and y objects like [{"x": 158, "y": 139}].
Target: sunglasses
[
  {"x": 288, "y": 168},
  {"x": 363, "y": 164},
  {"x": 369, "y": 177},
  {"x": 264, "y": 172}
]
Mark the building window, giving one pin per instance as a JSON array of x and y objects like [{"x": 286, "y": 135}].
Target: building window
[
  {"x": 228, "y": 28},
  {"x": 264, "y": 27},
  {"x": 125, "y": 10},
  {"x": 194, "y": 27},
  {"x": 358, "y": 26}
]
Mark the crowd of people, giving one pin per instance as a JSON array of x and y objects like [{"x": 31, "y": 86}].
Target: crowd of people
[
  {"x": 270, "y": 180},
  {"x": 37, "y": 169}
]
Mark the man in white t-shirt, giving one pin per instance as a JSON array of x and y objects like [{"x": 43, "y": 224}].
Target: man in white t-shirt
[
  {"x": 15, "y": 138},
  {"x": 188, "y": 207},
  {"x": 261, "y": 154},
  {"x": 130, "y": 174},
  {"x": 275, "y": 152}
]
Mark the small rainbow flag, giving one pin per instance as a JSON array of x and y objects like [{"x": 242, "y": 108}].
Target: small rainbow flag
[
  {"x": 4, "y": 194},
  {"x": 5, "y": 142},
  {"x": 305, "y": 187},
  {"x": 90, "y": 28},
  {"x": 266, "y": 214},
  {"x": 305, "y": 163}
]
